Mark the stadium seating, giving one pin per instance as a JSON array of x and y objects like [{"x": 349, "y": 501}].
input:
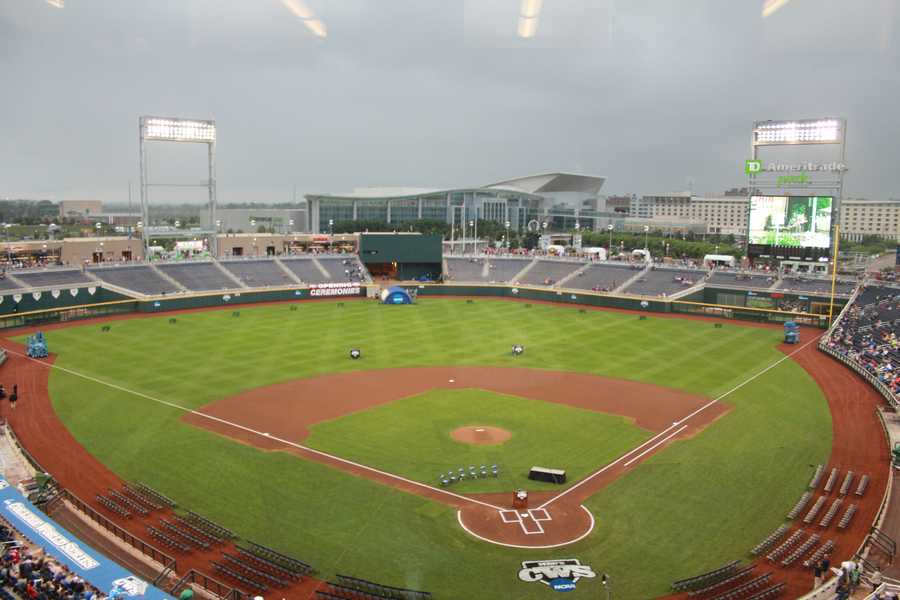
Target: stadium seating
[
  {"x": 772, "y": 539},
  {"x": 832, "y": 480},
  {"x": 665, "y": 282},
  {"x": 239, "y": 576},
  {"x": 549, "y": 272},
  {"x": 29, "y": 573},
  {"x": 52, "y": 277},
  {"x": 814, "y": 511},
  {"x": 733, "y": 279},
  {"x": 257, "y": 273},
  {"x": 737, "y": 576},
  {"x": 8, "y": 284},
  {"x": 801, "y": 504},
  {"x": 113, "y": 506},
  {"x": 139, "y": 278},
  {"x": 848, "y": 516},
  {"x": 461, "y": 269},
  {"x": 305, "y": 269},
  {"x": 343, "y": 268},
  {"x": 816, "y": 285},
  {"x": 705, "y": 579},
  {"x": 785, "y": 546},
  {"x": 603, "y": 277},
  {"x": 753, "y": 584},
  {"x": 505, "y": 269},
  {"x": 863, "y": 484},
  {"x": 829, "y": 515},
  {"x": 148, "y": 492},
  {"x": 271, "y": 557},
  {"x": 867, "y": 335},
  {"x": 817, "y": 477},
  {"x": 198, "y": 276}
]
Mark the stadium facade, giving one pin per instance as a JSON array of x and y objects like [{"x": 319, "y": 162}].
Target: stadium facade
[{"x": 561, "y": 198}]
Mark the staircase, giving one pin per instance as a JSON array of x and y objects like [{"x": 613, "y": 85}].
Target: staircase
[
  {"x": 631, "y": 280},
  {"x": 230, "y": 275},
  {"x": 322, "y": 269},
  {"x": 290, "y": 274},
  {"x": 165, "y": 276},
  {"x": 518, "y": 276},
  {"x": 562, "y": 282}
]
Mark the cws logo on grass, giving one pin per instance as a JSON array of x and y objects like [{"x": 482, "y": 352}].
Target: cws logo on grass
[{"x": 559, "y": 575}]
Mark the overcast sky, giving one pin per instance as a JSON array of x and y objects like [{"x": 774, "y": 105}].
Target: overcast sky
[{"x": 436, "y": 93}]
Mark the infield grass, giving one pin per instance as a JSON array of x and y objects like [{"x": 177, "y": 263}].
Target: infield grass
[
  {"x": 690, "y": 508},
  {"x": 543, "y": 434}
]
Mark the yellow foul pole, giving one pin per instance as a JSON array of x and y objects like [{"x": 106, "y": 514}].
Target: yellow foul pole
[{"x": 834, "y": 265}]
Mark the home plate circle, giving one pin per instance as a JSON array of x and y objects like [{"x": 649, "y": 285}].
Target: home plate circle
[{"x": 557, "y": 525}]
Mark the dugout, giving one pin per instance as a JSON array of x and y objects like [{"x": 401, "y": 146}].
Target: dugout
[{"x": 402, "y": 256}]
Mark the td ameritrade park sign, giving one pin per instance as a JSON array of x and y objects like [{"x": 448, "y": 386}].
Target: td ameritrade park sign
[
  {"x": 793, "y": 173},
  {"x": 324, "y": 290}
]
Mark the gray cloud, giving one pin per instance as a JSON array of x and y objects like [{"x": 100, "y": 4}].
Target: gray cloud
[{"x": 436, "y": 92}]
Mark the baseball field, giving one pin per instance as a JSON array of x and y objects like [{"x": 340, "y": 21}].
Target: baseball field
[{"x": 590, "y": 386}]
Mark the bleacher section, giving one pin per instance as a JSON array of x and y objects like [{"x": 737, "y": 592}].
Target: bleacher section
[
  {"x": 257, "y": 273},
  {"x": 52, "y": 277},
  {"x": 8, "y": 284},
  {"x": 504, "y": 269},
  {"x": 867, "y": 335},
  {"x": 549, "y": 272},
  {"x": 665, "y": 282},
  {"x": 198, "y": 276},
  {"x": 461, "y": 269},
  {"x": 342, "y": 268},
  {"x": 305, "y": 269},
  {"x": 741, "y": 280},
  {"x": 141, "y": 279},
  {"x": 816, "y": 285},
  {"x": 603, "y": 277}
]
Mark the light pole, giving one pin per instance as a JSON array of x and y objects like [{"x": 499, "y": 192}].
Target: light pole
[
  {"x": 98, "y": 226},
  {"x": 474, "y": 239},
  {"x": 6, "y": 227},
  {"x": 331, "y": 226},
  {"x": 291, "y": 225},
  {"x": 507, "y": 236},
  {"x": 609, "y": 228},
  {"x": 646, "y": 232}
]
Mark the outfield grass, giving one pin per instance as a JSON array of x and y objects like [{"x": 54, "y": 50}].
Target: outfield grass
[
  {"x": 691, "y": 507},
  {"x": 411, "y": 437}
]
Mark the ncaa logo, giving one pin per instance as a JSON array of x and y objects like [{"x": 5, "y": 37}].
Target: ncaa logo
[
  {"x": 558, "y": 575},
  {"x": 752, "y": 167}
]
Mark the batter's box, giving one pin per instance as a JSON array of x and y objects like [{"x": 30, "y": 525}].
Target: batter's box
[
  {"x": 540, "y": 514},
  {"x": 510, "y": 516}
]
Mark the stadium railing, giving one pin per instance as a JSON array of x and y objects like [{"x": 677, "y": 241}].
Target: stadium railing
[
  {"x": 211, "y": 586},
  {"x": 168, "y": 563}
]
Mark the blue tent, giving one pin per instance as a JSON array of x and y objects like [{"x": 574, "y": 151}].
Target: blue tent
[{"x": 395, "y": 295}]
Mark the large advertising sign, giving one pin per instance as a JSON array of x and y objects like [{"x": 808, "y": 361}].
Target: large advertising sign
[
  {"x": 800, "y": 222},
  {"x": 319, "y": 290}
]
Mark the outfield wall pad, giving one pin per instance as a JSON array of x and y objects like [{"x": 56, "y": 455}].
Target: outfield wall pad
[{"x": 45, "y": 308}]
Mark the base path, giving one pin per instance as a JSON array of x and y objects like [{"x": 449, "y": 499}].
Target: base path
[{"x": 278, "y": 417}]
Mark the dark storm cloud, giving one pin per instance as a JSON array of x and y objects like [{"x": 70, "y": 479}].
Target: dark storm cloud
[{"x": 436, "y": 92}]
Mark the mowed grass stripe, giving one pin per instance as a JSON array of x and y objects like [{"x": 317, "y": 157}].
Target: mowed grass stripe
[{"x": 732, "y": 483}]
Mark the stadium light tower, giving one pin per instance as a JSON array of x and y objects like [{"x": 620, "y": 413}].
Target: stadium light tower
[
  {"x": 777, "y": 191},
  {"x": 170, "y": 129}
]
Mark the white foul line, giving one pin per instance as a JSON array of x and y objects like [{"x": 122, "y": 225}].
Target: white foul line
[
  {"x": 656, "y": 445},
  {"x": 255, "y": 432},
  {"x": 677, "y": 423}
]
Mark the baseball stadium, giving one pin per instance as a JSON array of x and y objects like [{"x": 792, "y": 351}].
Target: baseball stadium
[{"x": 294, "y": 426}]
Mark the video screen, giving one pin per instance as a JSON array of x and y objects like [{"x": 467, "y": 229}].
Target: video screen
[{"x": 791, "y": 221}]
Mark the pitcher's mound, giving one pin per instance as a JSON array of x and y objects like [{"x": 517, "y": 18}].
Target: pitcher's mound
[{"x": 480, "y": 434}]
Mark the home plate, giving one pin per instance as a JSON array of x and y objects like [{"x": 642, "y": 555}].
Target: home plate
[
  {"x": 480, "y": 429},
  {"x": 451, "y": 380}
]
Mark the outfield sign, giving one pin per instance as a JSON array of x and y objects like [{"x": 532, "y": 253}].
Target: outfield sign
[
  {"x": 323, "y": 290},
  {"x": 558, "y": 575}
]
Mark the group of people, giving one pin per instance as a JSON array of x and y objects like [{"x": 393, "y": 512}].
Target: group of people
[
  {"x": 34, "y": 576},
  {"x": 13, "y": 396},
  {"x": 869, "y": 334}
]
